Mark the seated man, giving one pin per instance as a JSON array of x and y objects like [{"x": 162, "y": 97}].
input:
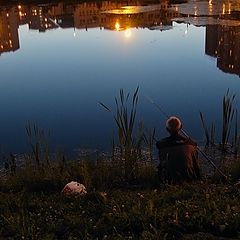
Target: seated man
[{"x": 177, "y": 155}]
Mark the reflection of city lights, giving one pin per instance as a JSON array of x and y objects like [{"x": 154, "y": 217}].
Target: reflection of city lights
[
  {"x": 7, "y": 15},
  {"x": 19, "y": 7},
  {"x": 210, "y": 5},
  {"x": 34, "y": 12},
  {"x": 128, "y": 33},
  {"x": 223, "y": 9},
  {"x": 229, "y": 8},
  {"x": 117, "y": 26},
  {"x": 195, "y": 10},
  {"x": 74, "y": 34}
]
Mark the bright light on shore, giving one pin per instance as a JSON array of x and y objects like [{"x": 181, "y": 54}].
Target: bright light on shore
[{"x": 117, "y": 26}]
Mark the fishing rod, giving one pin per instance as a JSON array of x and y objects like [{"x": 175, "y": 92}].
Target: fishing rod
[{"x": 187, "y": 136}]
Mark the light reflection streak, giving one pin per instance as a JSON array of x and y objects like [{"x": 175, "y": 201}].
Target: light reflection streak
[
  {"x": 117, "y": 26},
  {"x": 210, "y": 6}
]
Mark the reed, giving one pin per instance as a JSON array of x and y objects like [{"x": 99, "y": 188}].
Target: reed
[
  {"x": 149, "y": 139},
  {"x": 38, "y": 142},
  {"x": 130, "y": 139},
  {"x": 229, "y": 128},
  {"x": 236, "y": 137},
  {"x": 228, "y": 112},
  {"x": 209, "y": 132}
]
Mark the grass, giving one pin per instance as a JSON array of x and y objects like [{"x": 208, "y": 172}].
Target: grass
[
  {"x": 227, "y": 118},
  {"x": 209, "y": 132},
  {"x": 229, "y": 128},
  {"x": 171, "y": 213},
  {"x": 33, "y": 207},
  {"x": 128, "y": 150}
]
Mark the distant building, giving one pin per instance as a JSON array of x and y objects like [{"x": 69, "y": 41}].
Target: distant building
[
  {"x": 9, "y": 40},
  {"x": 62, "y": 14},
  {"x": 211, "y": 40},
  {"x": 223, "y": 42},
  {"x": 40, "y": 20}
]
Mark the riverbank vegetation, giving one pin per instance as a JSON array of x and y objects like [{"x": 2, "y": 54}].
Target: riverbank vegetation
[
  {"x": 125, "y": 199},
  {"x": 33, "y": 207},
  {"x": 189, "y": 211}
]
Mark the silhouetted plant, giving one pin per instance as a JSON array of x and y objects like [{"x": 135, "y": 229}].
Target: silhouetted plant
[
  {"x": 209, "y": 132},
  {"x": 227, "y": 118},
  {"x": 149, "y": 139},
  {"x": 38, "y": 142},
  {"x": 229, "y": 129},
  {"x": 130, "y": 141},
  {"x": 236, "y": 137}
]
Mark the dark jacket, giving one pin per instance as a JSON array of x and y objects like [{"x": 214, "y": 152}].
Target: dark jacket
[{"x": 178, "y": 159}]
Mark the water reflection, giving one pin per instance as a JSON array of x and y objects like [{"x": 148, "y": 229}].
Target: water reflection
[
  {"x": 9, "y": 40},
  {"x": 223, "y": 43},
  {"x": 105, "y": 15},
  {"x": 222, "y": 19}
]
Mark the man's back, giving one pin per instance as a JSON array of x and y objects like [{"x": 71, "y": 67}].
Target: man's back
[{"x": 178, "y": 159}]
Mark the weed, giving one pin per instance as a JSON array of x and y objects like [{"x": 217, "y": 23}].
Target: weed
[
  {"x": 128, "y": 152},
  {"x": 227, "y": 118}
]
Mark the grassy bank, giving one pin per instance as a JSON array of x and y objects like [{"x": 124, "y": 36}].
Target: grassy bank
[
  {"x": 189, "y": 211},
  {"x": 33, "y": 207}
]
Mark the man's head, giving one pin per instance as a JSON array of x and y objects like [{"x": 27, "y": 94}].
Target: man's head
[{"x": 173, "y": 125}]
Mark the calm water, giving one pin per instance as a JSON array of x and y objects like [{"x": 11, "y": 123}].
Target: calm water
[{"x": 57, "y": 61}]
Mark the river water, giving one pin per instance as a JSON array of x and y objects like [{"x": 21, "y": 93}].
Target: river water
[{"x": 58, "y": 60}]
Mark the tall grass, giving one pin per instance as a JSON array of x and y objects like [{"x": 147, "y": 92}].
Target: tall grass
[
  {"x": 128, "y": 151},
  {"x": 209, "y": 132},
  {"x": 236, "y": 136},
  {"x": 44, "y": 171},
  {"x": 38, "y": 140},
  {"x": 229, "y": 127},
  {"x": 227, "y": 118}
]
